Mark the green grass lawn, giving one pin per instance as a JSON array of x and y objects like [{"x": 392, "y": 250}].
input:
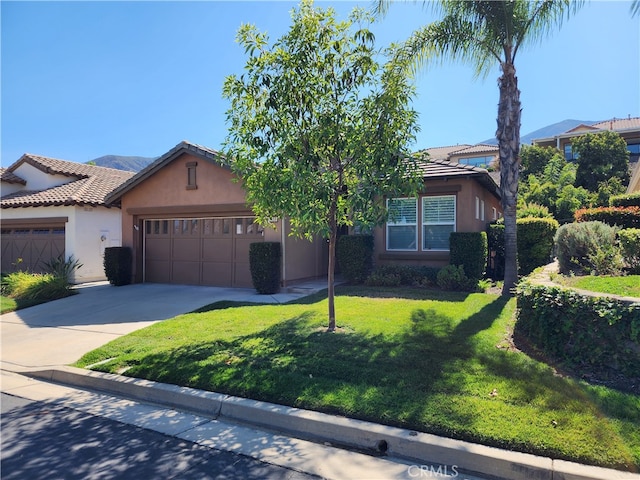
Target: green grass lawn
[
  {"x": 628, "y": 286},
  {"x": 430, "y": 361},
  {"x": 7, "y": 304}
]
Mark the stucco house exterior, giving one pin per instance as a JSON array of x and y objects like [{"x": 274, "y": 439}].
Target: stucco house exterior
[
  {"x": 629, "y": 130},
  {"x": 52, "y": 207},
  {"x": 456, "y": 198},
  {"x": 186, "y": 219}
]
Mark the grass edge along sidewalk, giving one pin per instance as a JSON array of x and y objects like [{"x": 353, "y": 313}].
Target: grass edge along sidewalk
[{"x": 433, "y": 362}]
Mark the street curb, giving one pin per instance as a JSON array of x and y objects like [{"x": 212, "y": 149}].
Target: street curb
[{"x": 423, "y": 448}]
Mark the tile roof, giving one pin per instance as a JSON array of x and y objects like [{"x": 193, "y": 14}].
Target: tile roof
[
  {"x": 479, "y": 148},
  {"x": 183, "y": 147},
  {"x": 432, "y": 169},
  {"x": 443, "y": 153},
  {"x": 10, "y": 177},
  {"x": 88, "y": 185},
  {"x": 618, "y": 124}
]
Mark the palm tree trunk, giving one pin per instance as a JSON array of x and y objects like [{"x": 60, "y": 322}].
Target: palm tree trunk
[{"x": 508, "y": 135}]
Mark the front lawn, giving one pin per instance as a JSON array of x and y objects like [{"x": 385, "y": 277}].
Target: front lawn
[
  {"x": 425, "y": 360},
  {"x": 628, "y": 286}
]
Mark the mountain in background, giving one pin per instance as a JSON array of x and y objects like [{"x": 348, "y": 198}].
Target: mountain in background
[
  {"x": 546, "y": 132},
  {"x": 119, "y": 162}
]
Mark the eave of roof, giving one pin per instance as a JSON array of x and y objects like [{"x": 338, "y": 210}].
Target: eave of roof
[
  {"x": 10, "y": 177},
  {"x": 183, "y": 147},
  {"x": 441, "y": 169}
]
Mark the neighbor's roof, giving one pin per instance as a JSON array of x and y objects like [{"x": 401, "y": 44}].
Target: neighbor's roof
[
  {"x": 10, "y": 177},
  {"x": 475, "y": 149},
  {"x": 618, "y": 124},
  {"x": 438, "y": 169},
  {"x": 181, "y": 148},
  {"x": 443, "y": 153},
  {"x": 88, "y": 185}
]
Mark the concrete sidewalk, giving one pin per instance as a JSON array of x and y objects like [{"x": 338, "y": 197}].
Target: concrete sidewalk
[{"x": 39, "y": 341}]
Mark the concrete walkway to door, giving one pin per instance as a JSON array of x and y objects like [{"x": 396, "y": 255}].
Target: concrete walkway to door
[{"x": 60, "y": 332}]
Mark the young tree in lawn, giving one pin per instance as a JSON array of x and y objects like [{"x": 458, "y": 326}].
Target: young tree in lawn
[
  {"x": 485, "y": 34},
  {"x": 600, "y": 157},
  {"x": 319, "y": 129}
]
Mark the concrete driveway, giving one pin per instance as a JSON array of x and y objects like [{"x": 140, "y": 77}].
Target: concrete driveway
[{"x": 60, "y": 332}]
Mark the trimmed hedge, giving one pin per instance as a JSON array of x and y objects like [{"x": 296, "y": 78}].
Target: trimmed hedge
[
  {"x": 535, "y": 245},
  {"x": 623, "y": 217},
  {"x": 578, "y": 329},
  {"x": 535, "y": 242},
  {"x": 264, "y": 262},
  {"x": 630, "y": 245},
  {"x": 394, "y": 275},
  {"x": 469, "y": 249},
  {"x": 355, "y": 257},
  {"x": 626, "y": 200},
  {"x": 118, "y": 265}
]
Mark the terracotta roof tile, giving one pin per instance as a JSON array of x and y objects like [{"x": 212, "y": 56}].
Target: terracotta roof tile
[
  {"x": 618, "y": 124},
  {"x": 88, "y": 185},
  {"x": 443, "y": 153},
  {"x": 10, "y": 177},
  {"x": 479, "y": 148}
]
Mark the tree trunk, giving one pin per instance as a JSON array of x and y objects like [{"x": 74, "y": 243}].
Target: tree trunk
[
  {"x": 333, "y": 234},
  {"x": 508, "y": 135}
]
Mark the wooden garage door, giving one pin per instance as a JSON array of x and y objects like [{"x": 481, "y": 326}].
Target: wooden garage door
[
  {"x": 200, "y": 251},
  {"x": 27, "y": 248}
]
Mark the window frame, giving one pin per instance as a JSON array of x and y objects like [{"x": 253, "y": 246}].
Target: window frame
[
  {"x": 424, "y": 222},
  {"x": 192, "y": 176},
  {"x": 392, "y": 224}
]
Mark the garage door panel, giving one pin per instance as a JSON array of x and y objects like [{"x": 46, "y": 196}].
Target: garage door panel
[
  {"x": 30, "y": 248},
  {"x": 158, "y": 248},
  {"x": 217, "y": 249},
  {"x": 158, "y": 271},
  {"x": 217, "y": 274},
  {"x": 209, "y": 251},
  {"x": 186, "y": 273},
  {"x": 186, "y": 249}
]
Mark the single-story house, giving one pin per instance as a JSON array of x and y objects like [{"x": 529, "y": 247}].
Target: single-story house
[
  {"x": 54, "y": 207},
  {"x": 629, "y": 130},
  {"x": 456, "y": 198},
  {"x": 186, "y": 219}
]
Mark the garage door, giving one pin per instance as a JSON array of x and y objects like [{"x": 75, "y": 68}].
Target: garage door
[
  {"x": 200, "y": 251},
  {"x": 27, "y": 248}
]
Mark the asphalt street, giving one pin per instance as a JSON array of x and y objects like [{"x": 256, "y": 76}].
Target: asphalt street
[{"x": 44, "y": 440}]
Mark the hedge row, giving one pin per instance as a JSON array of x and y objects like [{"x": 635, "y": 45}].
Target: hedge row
[
  {"x": 623, "y": 217},
  {"x": 578, "y": 329},
  {"x": 469, "y": 249},
  {"x": 627, "y": 200}
]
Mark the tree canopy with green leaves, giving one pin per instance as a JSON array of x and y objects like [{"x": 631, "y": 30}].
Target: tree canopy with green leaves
[
  {"x": 601, "y": 156},
  {"x": 486, "y": 33},
  {"x": 320, "y": 126}
]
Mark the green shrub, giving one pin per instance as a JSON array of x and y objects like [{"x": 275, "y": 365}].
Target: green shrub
[
  {"x": 407, "y": 275},
  {"x": 630, "y": 245},
  {"x": 264, "y": 262},
  {"x": 577, "y": 244},
  {"x": 34, "y": 287},
  {"x": 495, "y": 245},
  {"x": 469, "y": 249},
  {"x": 355, "y": 257},
  {"x": 61, "y": 268},
  {"x": 452, "y": 277},
  {"x": 533, "y": 210},
  {"x": 627, "y": 200},
  {"x": 579, "y": 329},
  {"x": 623, "y": 217},
  {"x": 118, "y": 265},
  {"x": 535, "y": 242}
]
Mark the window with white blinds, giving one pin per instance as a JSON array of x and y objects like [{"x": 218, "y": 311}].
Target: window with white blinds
[
  {"x": 438, "y": 221},
  {"x": 402, "y": 225}
]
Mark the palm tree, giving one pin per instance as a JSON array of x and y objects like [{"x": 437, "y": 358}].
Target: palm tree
[{"x": 484, "y": 33}]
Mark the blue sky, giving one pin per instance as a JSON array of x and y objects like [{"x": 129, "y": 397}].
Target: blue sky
[{"x": 86, "y": 79}]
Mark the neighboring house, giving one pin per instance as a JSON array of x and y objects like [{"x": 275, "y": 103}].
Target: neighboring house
[
  {"x": 54, "y": 207},
  {"x": 456, "y": 198},
  {"x": 479, "y": 155},
  {"x": 186, "y": 219},
  {"x": 629, "y": 130}
]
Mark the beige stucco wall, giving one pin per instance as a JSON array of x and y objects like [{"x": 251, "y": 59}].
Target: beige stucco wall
[{"x": 466, "y": 190}]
